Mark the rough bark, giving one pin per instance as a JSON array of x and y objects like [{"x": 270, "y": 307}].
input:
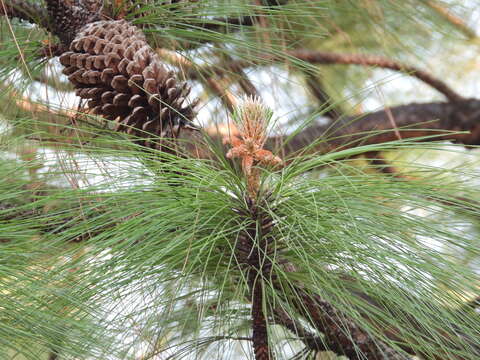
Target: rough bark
[
  {"x": 437, "y": 120},
  {"x": 343, "y": 335},
  {"x": 251, "y": 252}
]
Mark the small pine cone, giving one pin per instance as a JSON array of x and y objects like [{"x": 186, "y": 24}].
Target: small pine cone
[
  {"x": 68, "y": 18},
  {"x": 111, "y": 65}
]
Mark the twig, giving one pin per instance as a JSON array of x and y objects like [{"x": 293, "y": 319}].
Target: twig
[{"x": 329, "y": 58}]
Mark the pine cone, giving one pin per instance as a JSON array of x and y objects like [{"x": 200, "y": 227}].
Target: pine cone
[
  {"x": 111, "y": 64},
  {"x": 67, "y": 19}
]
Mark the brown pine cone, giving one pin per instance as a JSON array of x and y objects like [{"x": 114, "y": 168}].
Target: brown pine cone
[
  {"x": 111, "y": 65},
  {"x": 66, "y": 19}
]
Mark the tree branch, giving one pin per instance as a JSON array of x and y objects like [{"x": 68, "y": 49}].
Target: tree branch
[
  {"x": 411, "y": 120},
  {"x": 435, "y": 121},
  {"x": 251, "y": 253},
  {"x": 342, "y": 335},
  {"x": 439, "y": 120},
  {"x": 329, "y": 58}
]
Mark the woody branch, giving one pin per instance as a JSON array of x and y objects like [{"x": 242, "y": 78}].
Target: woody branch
[{"x": 328, "y": 58}]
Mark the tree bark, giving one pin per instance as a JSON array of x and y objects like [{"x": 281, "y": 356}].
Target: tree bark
[{"x": 436, "y": 120}]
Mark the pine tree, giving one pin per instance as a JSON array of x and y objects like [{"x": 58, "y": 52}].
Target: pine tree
[{"x": 217, "y": 193}]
